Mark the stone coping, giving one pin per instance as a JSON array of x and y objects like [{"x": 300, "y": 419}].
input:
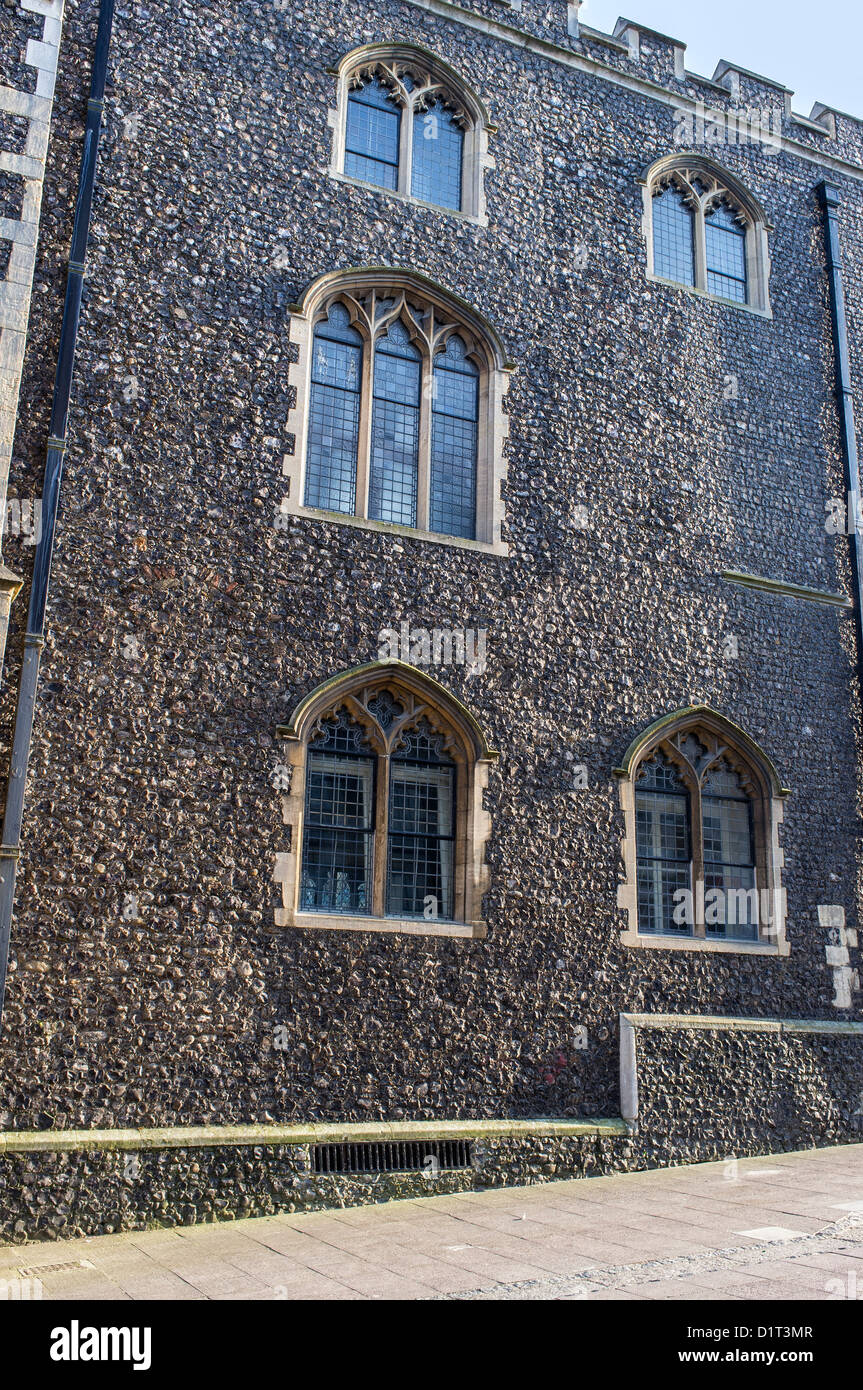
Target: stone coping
[
  {"x": 743, "y": 1025},
  {"x": 216, "y": 1136}
]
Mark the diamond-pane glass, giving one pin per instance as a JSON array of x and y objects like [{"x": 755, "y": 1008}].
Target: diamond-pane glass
[
  {"x": 372, "y": 134},
  {"x": 452, "y": 503},
  {"x": 420, "y": 865},
  {"x": 395, "y": 429},
  {"x": 334, "y": 414},
  {"x": 725, "y": 243},
  {"x": 662, "y": 847},
  {"x": 438, "y": 145},
  {"x": 673, "y": 244},
  {"x": 338, "y": 834}
]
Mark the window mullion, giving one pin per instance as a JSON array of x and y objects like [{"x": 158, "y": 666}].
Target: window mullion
[
  {"x": 697, "y": 847},
  {"x": 381, "y": 847},
  {"x": 365, "y": 431},
  {"x": 406, "y": 148},
  {"x": 700, "y": 249},
  {"x": 424, "y": 452}
]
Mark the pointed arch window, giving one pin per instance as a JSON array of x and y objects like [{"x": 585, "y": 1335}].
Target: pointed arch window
[
  {"x": 404, "y": 412},
  {"x": 725, "y": 252},
  {"x": 397, "y": 383},
  {"x": 437, "y": 156},
  {"x": 373, "y": 135},
  {"x": 334, "y": 413},
  {"x": 706, "y": 232},
  {"x": 385, "y": 808},
  {"x": 702, "y": 807},
  {"x": 408, "y": 123},
  {"x": 673, "y": 236}
]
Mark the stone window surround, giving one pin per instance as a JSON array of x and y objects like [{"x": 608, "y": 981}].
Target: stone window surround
[
  {"x": 680, "y": 169},
  {"x": 353, "y": 288},
  {"x": 768, "y": 798},
  {"x": 435, "y": 79},
  {"x": 466, "y": 745}
]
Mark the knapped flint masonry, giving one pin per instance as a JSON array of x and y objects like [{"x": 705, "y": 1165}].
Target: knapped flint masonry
[
  {"x": 445, "y": 764},
  {"x": 34, "y": 638}
]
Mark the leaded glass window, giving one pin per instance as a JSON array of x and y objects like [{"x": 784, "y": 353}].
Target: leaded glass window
[
  {"x": 394, "y": 410},
  {"x": 725, "y": 246},
  {"x": 438, "y": 148},
  {"x": 673, "y": 237},
  {"x": 334, "y": 413},
  {"x": 707, "y": 232},
  {"x": 339, "y": 821},
  {"x": 345, "y": 832},
  {"x": 729, "y": 855},
  {"x": 662, "y": 818},
  {"x": 455, "y": 404},
  {"x": 408, "y": 132},
  {"x": 381, "y": 801},
  {"x": 696, "y": 842},
  {"x": 421, "y": 829},
  {"x": 395, "y": 428},
  {"x": 373, "y": 135}
]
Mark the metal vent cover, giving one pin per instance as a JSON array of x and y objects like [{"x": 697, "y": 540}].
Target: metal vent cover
[{"x": 397, "y": 1156}]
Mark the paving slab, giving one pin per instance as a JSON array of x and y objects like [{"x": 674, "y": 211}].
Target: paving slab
[{"x": 778, "y": 1228}]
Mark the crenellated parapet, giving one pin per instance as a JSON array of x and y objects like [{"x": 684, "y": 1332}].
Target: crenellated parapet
[{"x": 653, "y": 61}]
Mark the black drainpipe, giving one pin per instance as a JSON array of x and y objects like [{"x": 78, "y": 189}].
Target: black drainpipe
[
  {"x": 35, "y": 636},
  {"x": 830, "y": 203}
]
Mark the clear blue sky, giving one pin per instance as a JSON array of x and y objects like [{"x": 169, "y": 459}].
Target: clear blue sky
[{"x": 814, "y": 48}]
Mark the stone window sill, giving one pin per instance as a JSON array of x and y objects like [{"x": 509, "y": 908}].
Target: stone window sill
[
  {"x": 659, "y": 942},
  {"x": 390, "y": 528},
  {"x": 713, "y": 298},
  {"x": 409, "y": 925},
  {"x": 408, "y": 198}
]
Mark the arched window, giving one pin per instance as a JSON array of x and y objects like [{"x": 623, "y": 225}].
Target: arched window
[
  {"x": 397, "y": 383},
  {"x": 402, "y": 408},
  {"x": 437, "y": 157},
  {"x": 334, "y": 415},
  {"x": 373, "y": 135},
  {"x": 385, "y": 810},
  {"x": 673, "y": 236},
  {"x": 705, "y": 231},
  {"x": 408, "y": 123},
  {"x": 702, "y": 805},
  {"x": 725, "y": 252},
  {"x": 455, "y": 412}
]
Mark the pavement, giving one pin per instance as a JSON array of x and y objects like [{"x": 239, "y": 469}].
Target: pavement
[{"x": 785, "y": 1227}]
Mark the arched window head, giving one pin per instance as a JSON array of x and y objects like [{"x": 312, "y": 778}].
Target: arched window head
[
  {"x": 383, "y": 785},
  {"x": 702, "y": 805},
  {"x": 705, "y": 231},
  {"x": 399, "y": 409},
  {"x": 407, "y": 122}
]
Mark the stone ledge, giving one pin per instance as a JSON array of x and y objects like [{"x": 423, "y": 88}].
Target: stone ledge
[
  {"x": 742, "y": 1025},
  {"x": 781, "y": 586},
  {"x": 203, "y": 1136}
]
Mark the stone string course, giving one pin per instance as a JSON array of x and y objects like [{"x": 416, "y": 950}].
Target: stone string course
[{"x": 147, "y": 982}]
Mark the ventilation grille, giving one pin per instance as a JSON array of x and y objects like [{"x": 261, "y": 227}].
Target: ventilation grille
[{"x": 402, "y": 1156}]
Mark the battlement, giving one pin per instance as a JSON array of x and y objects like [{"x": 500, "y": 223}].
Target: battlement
[{"x": 649, "y": 56}]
